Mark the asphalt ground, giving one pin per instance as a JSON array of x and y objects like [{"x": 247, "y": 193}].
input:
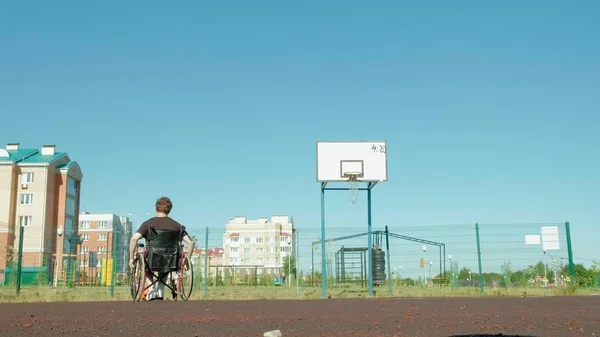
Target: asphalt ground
[{"x": 547, "y": 316}]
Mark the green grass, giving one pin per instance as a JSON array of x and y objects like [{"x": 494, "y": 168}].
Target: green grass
[{"x": 82, "y": 294}]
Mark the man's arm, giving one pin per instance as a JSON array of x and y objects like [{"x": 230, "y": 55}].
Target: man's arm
[
  {"x": 132, "y": 246},
  {"x": 190, "y": 245}
]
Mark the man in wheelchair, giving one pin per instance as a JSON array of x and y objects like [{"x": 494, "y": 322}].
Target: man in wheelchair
[{"x": 163, "y": 251}]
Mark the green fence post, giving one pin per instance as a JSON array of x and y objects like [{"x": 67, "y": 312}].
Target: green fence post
[
  {"x": 20, "y": 258},
  {"x": 206, "y": 264},
  {"x": 389, "y": 268},
  {"x": 479, "y": 258},
  {"x": 570, "y": 252}
]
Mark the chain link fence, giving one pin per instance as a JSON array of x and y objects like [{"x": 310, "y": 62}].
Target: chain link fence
[{"x": 406, "y": 261}]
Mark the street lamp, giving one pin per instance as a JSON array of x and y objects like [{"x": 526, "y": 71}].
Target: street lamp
[
  {"x": 430, "y": 265},
  {"x": 545, "y": 271},
  {"x": 59, "y": 231},
  {"x": 289, "y": 242},
  {"x": 424, "y": 250},
  {"x": 451, "y": 270}
]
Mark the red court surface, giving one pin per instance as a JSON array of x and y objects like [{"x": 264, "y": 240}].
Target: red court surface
[{"x": 549, "y": 316}]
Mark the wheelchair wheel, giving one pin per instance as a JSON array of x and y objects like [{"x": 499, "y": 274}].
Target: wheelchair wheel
[
  {"x": 187, "y": 279},
  {"x": 138, "y": 278}
]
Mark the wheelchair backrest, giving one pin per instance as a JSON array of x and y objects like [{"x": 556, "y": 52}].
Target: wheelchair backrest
[
  {"x": 159, "y": 238},
  {"x": 163, "y": 249}
]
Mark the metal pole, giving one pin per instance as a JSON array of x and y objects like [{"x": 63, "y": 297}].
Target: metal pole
[
  {"x": 444, "y": 263},
  {"x": 389, "y": 268},
  {"x": 296, "y": 265},
  {"x": 323, "y": 261},
  {"x": 370, "y": 242},
  {"x": 570, "y": 252},
  {"x": 114, "y": 262},
  {"x": 206, "y": 264},
  {"x": 440, "y": 247},
  {"x": 479, "y": 258},
  {"x": 20, "y": 259},
  {"x": 312, "y": 265}
]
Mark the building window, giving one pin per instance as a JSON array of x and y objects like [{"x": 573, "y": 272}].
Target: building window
[
  {"x": 235, "y": 239},
  {"x": 26, "y": 199},
  {"x": 259, "y": 240},
  {"x": 70, "y": 206},
  {"x": 25, "y": 221},
  {"x": 101, "y": 237},
  {"x": 84, "y": 263},
  {"x": 101, "y": 224},
  {"x": 246, "y": 250},
  {"x": 85, "y": 250},
  {"x": 69, "y": 225},
  {"x": 84, "y": 224},
  {"x": 85, "y": 237},
  {"x": 27, "y": 178},
  {"x": 72, "y": 186},
  {"x": 246, "y": 240},
  {"x": 260, "y": 250},
  {"x": 282, "y": 238},
  {"x": 234, "y": 249},
  {"x": 102, "y": 249}
]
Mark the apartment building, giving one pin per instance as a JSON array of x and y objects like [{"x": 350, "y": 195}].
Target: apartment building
[
  {"x": 259, "y": 242},
  {"x": 39, "y": 191},
  {"x": 97, "y": 232}
]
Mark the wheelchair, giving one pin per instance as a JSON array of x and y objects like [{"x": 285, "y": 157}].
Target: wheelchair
[{"x": 164, "y": 254}]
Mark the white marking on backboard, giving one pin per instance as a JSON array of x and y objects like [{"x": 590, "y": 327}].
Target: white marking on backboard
[
  {"x": 331, "y": 154},
  {"x": 550, "y": 238},
  {"x": 353, "y": 166},
  {"x": 532, "y": 239}
]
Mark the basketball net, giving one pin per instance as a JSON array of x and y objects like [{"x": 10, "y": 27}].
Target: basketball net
[{"x": 353, "y": 182}]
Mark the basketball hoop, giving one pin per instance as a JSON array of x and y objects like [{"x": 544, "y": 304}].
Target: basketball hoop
[{"x": 353, "y": 182}]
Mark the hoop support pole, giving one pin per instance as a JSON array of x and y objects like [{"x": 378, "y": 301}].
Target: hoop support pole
[{"x": 324, "y": 188}]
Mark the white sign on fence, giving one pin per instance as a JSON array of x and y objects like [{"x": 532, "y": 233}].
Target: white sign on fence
[
  {"x": 550, "y": 238},
  {"x": 532, "y": 239}
]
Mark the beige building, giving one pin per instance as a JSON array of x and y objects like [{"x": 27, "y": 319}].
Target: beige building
[
  {"x": 258, "y": 242},
  {"x": 39, "y": 191}
]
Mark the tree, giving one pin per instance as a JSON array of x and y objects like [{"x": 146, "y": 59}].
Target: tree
[
  {"x": 289, "y": 263},
  {"x": 9, "y": 256}
]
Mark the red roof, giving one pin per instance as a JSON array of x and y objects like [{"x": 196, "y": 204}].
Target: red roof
[
  {"x": 285, "y": 234},
  {"x": 234, "y": 234},
  {"x": 211, "y": 252}
]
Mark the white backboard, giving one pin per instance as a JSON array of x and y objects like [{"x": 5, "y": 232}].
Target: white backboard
[{"x": 336, "y": 157}]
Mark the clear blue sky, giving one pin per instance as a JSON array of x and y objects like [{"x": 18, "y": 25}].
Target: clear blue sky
[{"x": 490, "y": 108}]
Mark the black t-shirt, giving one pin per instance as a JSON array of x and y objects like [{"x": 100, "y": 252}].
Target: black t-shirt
[{"x": 160, "y": 223}]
